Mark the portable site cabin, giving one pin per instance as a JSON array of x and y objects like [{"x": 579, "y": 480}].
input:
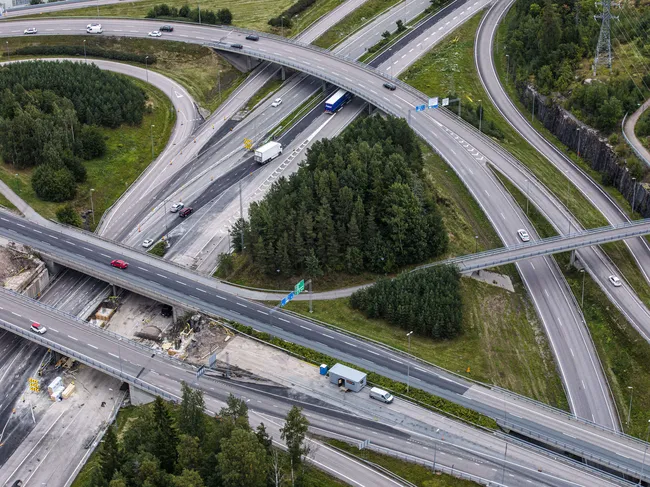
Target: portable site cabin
[{"x": 344, "y": 376}]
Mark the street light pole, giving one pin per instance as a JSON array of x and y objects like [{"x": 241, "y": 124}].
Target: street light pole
[
  {"x": 633, "y": 196},
  {"x": 480, "y": 115},
  {"x": 85, "y": 58},
  {"x": 582, "y": 301},
  {"x": 629, "y": 409},
  {"x": 408, "y": 365},
  {"x": 151, "y": 133},
  {"x": 8, "y": 56},
  {"x": 532, "y": 116},
  {"x": 568, "y": 194},
  {"x": 92, "y": 208},
  {"x": 508, "y": 68},
  {"x": 503, "y": 477},
  {"x": 476, "y": 244},
  {"x": 579, "y": 133},
  {"x": 146, "y": 66},
  {"x": 527, "y": 194}
]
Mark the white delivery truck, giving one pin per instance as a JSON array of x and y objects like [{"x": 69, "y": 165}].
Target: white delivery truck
[
  {"x": 267, "y": 152},
  {"x": 94, "y": 29}
]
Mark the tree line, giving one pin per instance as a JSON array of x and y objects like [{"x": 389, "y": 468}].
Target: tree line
[
  {"x": 220, "y": 17},
  {"x": 78, "y": 50},
  {"x": 179, "y": 446},
  {"x": 358, "y": 203},
  {"x": 427, "y": 302},
  {"x": 285, "y": 18},
  {"x": 548, "y": 41},
  {"x": 49, "y": 116}
]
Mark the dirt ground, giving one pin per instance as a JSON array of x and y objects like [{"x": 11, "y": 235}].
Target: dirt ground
[
  {"x": 13, "y": 263},
  {"x": 135, "y": 313}
]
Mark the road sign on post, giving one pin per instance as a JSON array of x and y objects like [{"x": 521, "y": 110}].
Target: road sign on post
[
  {"x": 200, "y": 372},
  {"x": 420, "y": 108},
  {"x": 212, "y": 360},
  {"x": 300, "y": 287},
  {"x": 433, "y": 102},
  {"x": 445, "y": 102}
]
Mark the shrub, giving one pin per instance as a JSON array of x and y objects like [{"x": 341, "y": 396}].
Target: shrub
[
  {"x": 52, "y": 184},
  {"x": 92, "y": 142},
  {"x": 68, "y": 215}
]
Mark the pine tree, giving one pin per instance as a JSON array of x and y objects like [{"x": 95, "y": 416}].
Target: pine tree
[
  {"x": 109, "y": 457},
  {"x": 293, "y": 433},
  {"x": 165, "y": 438},
  {"x": 191, "y": 418}
]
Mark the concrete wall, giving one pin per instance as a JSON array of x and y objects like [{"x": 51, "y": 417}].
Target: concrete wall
[
  {"x": 139, "y": 397},
  {"x": 31, "y": 282}
]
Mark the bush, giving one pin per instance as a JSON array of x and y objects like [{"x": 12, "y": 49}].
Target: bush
[
  {"x": 68, "y": 215},
  {"x": 160, "y": 249},
  {"x": 52, "y": 184},
  {"x": 91, "y": 51},
  {"x": 222, "y": 16},
  {"x": 427, "y": 302},
  {"x": 91, "y": 143}
]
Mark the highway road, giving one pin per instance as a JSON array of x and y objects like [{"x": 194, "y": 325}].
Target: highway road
[
  {"x": 587, "y": 388},
  {"x": 455, "y": 445},
  {"x": 629, "y": 122},
  {"x": 178, "y": 286}
]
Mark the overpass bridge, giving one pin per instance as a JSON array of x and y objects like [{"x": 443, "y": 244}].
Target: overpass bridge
[{"x": 547, "y": 246}]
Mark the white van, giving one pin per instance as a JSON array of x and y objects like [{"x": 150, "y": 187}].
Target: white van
[
  {"x": 94, "y": 29},
  {"x": 381, "y": 395}
]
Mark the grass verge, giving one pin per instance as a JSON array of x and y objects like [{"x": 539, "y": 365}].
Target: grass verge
[
  {"x": 353, "y": 22},
  {"x": 450, "y": 68},
  {"x": 196, "y": 68},
  {"x": 416, "y": 474},
  {"x": 299, "y": 112},
  {"x": 128, "y": 154}
]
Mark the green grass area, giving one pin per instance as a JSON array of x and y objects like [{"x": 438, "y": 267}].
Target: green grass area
[
  {"x": 269, "y": 87},
  {"x": 624, "y": 353},
  {"x": 353, "y": 22},
  {"x": 196, "y": 68},
  {"x": 416, "y": 474},
  {"x": 128, "y": 154},
  {"x": 160, "y": 249},
  {"x": 6, "y": 203},
  {"x": 249, "y": 14}
]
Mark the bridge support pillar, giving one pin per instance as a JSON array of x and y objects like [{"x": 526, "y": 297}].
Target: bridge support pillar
[
  {"x": 574, "y": 261},
  {"x": 283, "y": 73},
  {"x": 369, "y": 109},
  {"x": 324, "y": 85},
  {"x": 52, "y": 267},
  {"x": 114, "y": 289},
  {"x": 138, "y": 397}
]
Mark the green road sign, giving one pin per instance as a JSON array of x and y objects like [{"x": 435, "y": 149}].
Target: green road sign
[{"x": 300, "y": 287}]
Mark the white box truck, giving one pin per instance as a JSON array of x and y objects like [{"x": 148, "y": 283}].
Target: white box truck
[{"x": 267, "y": 152}]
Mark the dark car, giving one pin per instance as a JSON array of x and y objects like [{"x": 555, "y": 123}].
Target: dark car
[
  {"x": 236, "y": 46},
  {"x": 390, "y": 86},
  {"x": 166, "y": 28},
  {"x": 252, "y": 37},
  {"x": 185, "y": 212}
]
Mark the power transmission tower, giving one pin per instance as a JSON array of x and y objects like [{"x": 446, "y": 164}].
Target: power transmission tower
[{"x": 604, "y": 47}]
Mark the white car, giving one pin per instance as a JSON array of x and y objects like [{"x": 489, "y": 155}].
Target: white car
[
  {"x": 38, "y": 328},
  {"x": 616, "y": 282},
  {"x": 523, "y": 235},
  {"x": 155, "y": 33},
  {"x": 277, "y": 102},
  {"x": 177, "y": 206},
  {"x": 31, "y": 30},
  {"x": 147, "y": 243}
]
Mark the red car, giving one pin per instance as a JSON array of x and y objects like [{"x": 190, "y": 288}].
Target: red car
[{"x": 120, "y": 264}]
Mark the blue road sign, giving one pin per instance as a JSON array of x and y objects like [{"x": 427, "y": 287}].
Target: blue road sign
[
  {"x": 420, "y": 108},
  {"x": 284, "y": 302}
]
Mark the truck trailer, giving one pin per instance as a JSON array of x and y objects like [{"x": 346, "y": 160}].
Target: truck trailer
[
  {"x": 267, "y": 152},
  {"x": 337, "y": 100}
]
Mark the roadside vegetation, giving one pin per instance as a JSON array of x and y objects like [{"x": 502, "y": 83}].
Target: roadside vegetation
[
  {"x": 624, "y": 353},
  {"x": 128, "y": 152},
  {"x": 353, "y": 22},
  {"x": 166, "y": 445},
  {"x": 252, "y": 14},
  {"x": 416, "y": 474},
  {"x": 206, "y": 76}
]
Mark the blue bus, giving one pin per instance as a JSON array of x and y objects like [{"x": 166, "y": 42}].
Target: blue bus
[{"x": 337, "y": 100}]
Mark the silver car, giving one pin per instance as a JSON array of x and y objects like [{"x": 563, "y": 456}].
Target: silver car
[
  {"x": 147, "y": 243},
  {"x": 177, "y": 206}
]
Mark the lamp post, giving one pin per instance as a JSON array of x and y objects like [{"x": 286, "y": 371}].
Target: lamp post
[
  {"x": 480, "y": 115},
  {"x": 568, "y": 194},
  {"x": 476, "y": 244},
  {"x": 508, "y": 68},
  {"x": 199, "y": 7},
  {"x": 8, "y": 56},
  {"x": 645, "y": 451},
  {"x": 582, "y": 301},
  {"x": 527, "y": 194},
  {"x": 633, "y": 196},
  {"x": 579, "y": 133},
  {"x": 219, "y": 83},
  {"x": 146, "y": 66},
  {"x": 151, "y": 133},
  {"x": 629, "y": 409},
  {"x": 92, "y": 208},
  {"x": 532, "y": 113},
  {"x": 85, "y": 58},
  {"x": 408, "y": 365}
]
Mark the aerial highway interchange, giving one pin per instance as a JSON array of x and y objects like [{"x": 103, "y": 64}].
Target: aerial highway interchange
[{"x": 469, "y": 154}]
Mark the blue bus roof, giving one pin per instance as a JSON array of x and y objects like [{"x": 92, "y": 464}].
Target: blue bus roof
[{"x": 335, "y": 97}]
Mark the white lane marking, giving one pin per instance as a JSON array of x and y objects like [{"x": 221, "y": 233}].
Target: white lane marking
[
  {"x": 547, "y": 294},
  {"x": 531, "y": 264},
  {"x": 242, "y": 304},
  {"x": 93, "y": 346},
  {"x": 106, "y": 256},
  {"x": 571, "y": 350},
  {"x": 486, "y": 192},
  {"x": 328, "y": 336},
  {"x": 351, "y": 344},
  {"x": 374, "y": 353},
  {"x": 143, "y": 269},
  {"x": 395, "y": 360},
  {"x": 263, "y": 312},
  {"x": 73, "y": 338},
  {"x": 54, "y": 330},
  {"x": 113, "y": 355},
  {"x": 68, "y": 242},
  {"x": 57, "y": 238},
  {"x": 202, "y": 290},
  {"x": 89, "y": 250},
  {"x": 220, "y": 297},
  {"x": 20, "y": 225},
  {"x": 305, "y": 327},
  {"x": 181, "y": 282},
  {"x": 38, "y": 231},
  {"x": 14, "y": 313},
  {"x": 282, "y": 319},
  {"x": 160, "y": 275}
]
